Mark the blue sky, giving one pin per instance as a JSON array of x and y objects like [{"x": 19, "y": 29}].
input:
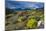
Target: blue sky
[{"x": 23, "y": 4}]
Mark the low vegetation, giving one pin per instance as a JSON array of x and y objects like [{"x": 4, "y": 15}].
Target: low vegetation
[{"x": 27, "y": 19}]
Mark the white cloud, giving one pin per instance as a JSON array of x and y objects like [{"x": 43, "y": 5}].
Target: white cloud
[{"x": 12, "y": 7}]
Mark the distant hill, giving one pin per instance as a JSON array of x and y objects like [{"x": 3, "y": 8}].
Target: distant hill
[
  {"x": 8, "y": 10},
  {"x": 40, "y": 9}
]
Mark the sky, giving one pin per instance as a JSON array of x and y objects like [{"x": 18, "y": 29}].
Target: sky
[{"x": 12, "y": 4}]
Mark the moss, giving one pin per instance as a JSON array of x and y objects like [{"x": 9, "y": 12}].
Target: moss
[{"x": 32, "y": 23}]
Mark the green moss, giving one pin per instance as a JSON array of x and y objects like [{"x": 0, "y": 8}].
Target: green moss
[{"x": 32, "y": 23}]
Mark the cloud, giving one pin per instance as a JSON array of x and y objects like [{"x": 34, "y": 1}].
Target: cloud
[
  {"x": 16, "y": 0},
  {"x": 20, "y": 0},
  {"x": 20, "y": 4}
]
